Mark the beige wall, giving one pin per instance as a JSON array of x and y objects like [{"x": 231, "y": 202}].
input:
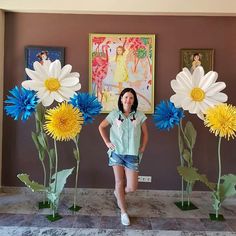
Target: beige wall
[
  {"x": 2, "y": 24},
  {"x": 154, "y": 7}
]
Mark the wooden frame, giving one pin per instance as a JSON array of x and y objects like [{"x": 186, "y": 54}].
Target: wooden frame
[
  {"x": 117, "y": 61},
  {"x": 191, "y": 58}
]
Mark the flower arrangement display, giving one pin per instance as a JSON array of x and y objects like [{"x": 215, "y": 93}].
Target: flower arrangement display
[
  {"x": 50, "y": 83},
  {"x": 221, "y": 120},
  {"x": 166, "y": 116},
  {"x": 194, "y": 92}
]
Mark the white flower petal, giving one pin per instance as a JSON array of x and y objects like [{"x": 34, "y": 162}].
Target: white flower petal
[
  {"x": 220, "y": 97},
  {"x": 42, "y": 93},
  {"x": 186, "y": 103},
  {"x": 76, "y": 87},
  {"x": 65, "y": 71},
  {"x": 75, "y": 74},
  {"x": 32, "y": 84},
  {"x": 187, "y": 72},
  {"x": 66, "y": 92},
  {"x": 57, "y": 97},
  {"x": 177, "y": 100},
  {"x": 47, "y": 101},
  {"x": 208, "y": 80},
  {"x": 40, "y": 69},
  {"x": 198, "y": 73},
  {"x": 184, "y": 81},
  {"x": 33, "y": 74},
  {"x": 200, "y": 115},
  {"x": 55, "y": 69},
  {"x": 69, "y": 81},
  {"x": 215, "y": 88}
]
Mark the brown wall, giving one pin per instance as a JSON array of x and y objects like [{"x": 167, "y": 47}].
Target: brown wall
[{"x": 71, "y": 32}]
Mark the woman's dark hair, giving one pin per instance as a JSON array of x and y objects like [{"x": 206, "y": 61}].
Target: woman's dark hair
[{"x": 134, "y": 106}]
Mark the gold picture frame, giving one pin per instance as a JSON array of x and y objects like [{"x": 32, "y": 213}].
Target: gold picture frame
[
  {"x": 191, "y": 58},
  {"x": 117, "y": 61}
]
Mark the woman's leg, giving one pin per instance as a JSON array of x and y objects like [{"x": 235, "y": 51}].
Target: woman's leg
[
  {"x": 119, "y": 173},
  {"x": 132, "y": 180}
]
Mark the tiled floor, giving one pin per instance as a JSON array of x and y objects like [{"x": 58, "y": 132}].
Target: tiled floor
[{"x": 151, "y": 212}]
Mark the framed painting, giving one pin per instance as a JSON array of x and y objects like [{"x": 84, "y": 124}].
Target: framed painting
[
  {"x": 117, "y": 61},
  {"x": 192, "y": 58},
  {"x": 42, "y": 54}
]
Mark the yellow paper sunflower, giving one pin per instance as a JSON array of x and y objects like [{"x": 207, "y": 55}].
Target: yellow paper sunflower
[
  {"x": 221, "y": 119},
  {"x": 63, "y": 122}
]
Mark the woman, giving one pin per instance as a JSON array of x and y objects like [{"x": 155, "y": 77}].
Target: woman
[{"x": 127, "y": 142}]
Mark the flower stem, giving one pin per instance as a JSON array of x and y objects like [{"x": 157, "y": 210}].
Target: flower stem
[
  {"x": 182, "y": 164},
  {"x": 44, "y": 181},
  {"x": 77, "y": 170},
  {"x": 56, "y": 164},
  {"x": 219, "y": 176}
]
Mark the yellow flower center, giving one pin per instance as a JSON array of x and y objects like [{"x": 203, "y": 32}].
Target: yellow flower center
[
  {"x": 197, "y": 94},
  {"x": 52, "y": 84}
]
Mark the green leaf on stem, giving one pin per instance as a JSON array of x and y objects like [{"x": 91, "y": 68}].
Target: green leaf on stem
[
  {"x": 227, "y": 188},
  {"x": 76, "y": 154},
  {"x": 187, "y": 156},
  {"x": 190, "y": 174},
  {"x": 191, "y": 134},
  {"x": 34, "y": 186}
]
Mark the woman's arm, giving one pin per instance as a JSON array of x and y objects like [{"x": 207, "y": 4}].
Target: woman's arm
[
  {"x": 102, "y": 129},
  {"x": 144, "y": 138}
]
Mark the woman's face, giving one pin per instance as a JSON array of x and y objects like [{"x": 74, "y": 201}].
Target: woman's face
[
  {"x": 127, "y": 100},
  {"x": 119, "y": 51},
  {"x": 196, "y": 58}
]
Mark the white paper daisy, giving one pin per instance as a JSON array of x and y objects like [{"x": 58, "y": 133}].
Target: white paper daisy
[
  {"x": 196, "y": 92},
  {"x": 51, "y": 82}
]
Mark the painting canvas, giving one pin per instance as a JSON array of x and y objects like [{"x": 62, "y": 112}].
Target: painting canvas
[
  {"x": 118, "y": 61},
  {"x": 42, "y": 54},
  {"x": 191, "y": 58}
]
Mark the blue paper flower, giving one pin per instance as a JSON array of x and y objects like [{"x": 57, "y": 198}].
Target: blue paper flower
[
  {"x": 87, "y": 104},
  {"x": 22, "y": 103},
  {"x": 166, "y": 115}
]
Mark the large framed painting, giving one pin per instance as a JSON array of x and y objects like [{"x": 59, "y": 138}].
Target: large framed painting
[
  {"x": 43, "y": 54},
  {"x": 117, "y": 61},
  {"x": 192, "y": 58}
]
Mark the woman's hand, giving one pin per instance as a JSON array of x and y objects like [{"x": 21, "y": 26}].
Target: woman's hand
[
  {"x": 141, "y": 149},
  {"x": 110, "y": 145}
]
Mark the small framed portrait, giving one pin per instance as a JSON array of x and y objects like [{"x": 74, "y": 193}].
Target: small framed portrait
[
  {"x": 43, "y": 54},
  {"x": 192, "y": 58},
  {"x": 117, "y": 61}
]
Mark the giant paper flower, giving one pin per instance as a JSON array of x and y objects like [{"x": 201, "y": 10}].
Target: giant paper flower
[
  {"x": 196, "y": 92},
  {"x": 87, "y": 104},
  {"x": 63, "y": 122},
  {"x": 52, "y": 82},
  {"x": 22, "y": 103},
  {"x": 221, "y": 120},
  {"x": 166, "y": 115}
]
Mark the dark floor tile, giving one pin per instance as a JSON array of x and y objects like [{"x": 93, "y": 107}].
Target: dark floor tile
[
  {"x": 14, "y": 219},
  {"x": 215, "y": 225},
  {"x": 111, "y": 222},
  {"x": 190, "y": 224},
  {"x": 83, "y": 221},
  {"x": 164, "y": 224},
  {"x": 232, "y": 224},
  {"x": 140, "y": 223}
]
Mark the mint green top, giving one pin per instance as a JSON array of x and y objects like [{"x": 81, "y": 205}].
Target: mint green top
[{"x": 125, "y": 132}]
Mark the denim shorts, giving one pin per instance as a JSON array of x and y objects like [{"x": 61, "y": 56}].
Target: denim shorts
[{"x": 128, "y": 161}]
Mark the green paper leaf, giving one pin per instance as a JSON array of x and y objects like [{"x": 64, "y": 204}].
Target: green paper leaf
[
  {"x": 40, "y": 113},
  {"x": 52, "y": 155},
  {"x": 35, "y": 139},
  {"x": 190, "y": 174},
  {"x": 181, "y": 144},
  {"x": 191, "y": 134},
  {"x": 76, "y": 154},
  {"x": 34, "y": 186},
  {"x": 41, "y": 139},
  {"x": 215, "y": 201},
  {"x": 62, "y": 176},
  {"x": 187, "y": 156},
  {"x": 228, "y": 186}
]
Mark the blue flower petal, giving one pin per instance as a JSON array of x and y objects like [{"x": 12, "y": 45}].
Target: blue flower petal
[
  {"x": 87, "y": 104},
  {"x": 21, "y": 102},
  {"x": 166, "y": 115}
]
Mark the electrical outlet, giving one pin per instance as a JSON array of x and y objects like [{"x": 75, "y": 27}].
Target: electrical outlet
[{"x": 145, "y": 179}]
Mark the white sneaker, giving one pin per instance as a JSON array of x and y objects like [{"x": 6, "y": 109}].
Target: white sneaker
[{"x": 125, "y": 219}]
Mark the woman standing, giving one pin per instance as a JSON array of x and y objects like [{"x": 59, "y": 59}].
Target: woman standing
[{"x": 127, "y": 142}]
